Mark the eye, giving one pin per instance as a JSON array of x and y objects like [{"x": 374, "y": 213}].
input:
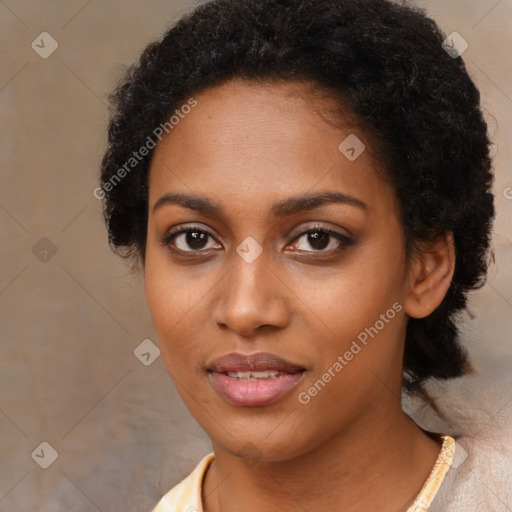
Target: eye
[
  {"x": 188, "y": 239},
  {"x": 319, "y": 238},
  {"x": 192, "y": 239}
]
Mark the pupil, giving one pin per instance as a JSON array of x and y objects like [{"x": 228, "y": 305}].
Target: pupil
[
  {"x": 319, "y": 240},
  {"x": 196, "y": 239}
]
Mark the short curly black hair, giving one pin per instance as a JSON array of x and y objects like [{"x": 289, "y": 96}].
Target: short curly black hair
[{"x": 386, "y": 65}]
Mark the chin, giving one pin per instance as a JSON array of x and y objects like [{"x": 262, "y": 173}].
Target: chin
[{"x": 265, "y": 443}]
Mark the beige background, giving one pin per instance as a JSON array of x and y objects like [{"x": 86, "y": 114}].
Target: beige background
[{"x": 69, "y": 325}]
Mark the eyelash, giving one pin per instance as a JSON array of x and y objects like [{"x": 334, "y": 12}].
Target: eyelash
[{"x": 345, "y": 242}]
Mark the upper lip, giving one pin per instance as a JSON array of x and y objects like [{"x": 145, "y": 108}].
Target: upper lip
[{"x": 261, "y": 361}]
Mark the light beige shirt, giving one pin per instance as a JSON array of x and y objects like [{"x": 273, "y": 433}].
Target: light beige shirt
[{"x": 186, "y": 496}]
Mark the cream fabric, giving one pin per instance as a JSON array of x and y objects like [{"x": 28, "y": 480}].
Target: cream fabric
[{"x": 186, "y": 496}]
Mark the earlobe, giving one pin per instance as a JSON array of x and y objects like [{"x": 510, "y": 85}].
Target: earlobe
[{"x": 431, "y": 274}]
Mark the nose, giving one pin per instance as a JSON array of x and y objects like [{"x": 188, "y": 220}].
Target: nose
[{"x": 252, "y": 296}]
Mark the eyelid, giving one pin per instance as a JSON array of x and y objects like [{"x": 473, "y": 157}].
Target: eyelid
[
  {"x": 183, "y": 228},
  {"x": 344, "y": 240},
  {"x": 318, "y": 226},
  {"x": 186, "y": 227}
]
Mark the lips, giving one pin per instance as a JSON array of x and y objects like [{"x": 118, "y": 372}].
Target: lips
[
  {"x": 253, "y": 380},
  {"x": 261, "y": 361}
]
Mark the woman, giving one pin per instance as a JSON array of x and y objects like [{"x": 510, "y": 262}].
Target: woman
[{"x": 307, "y": 187}]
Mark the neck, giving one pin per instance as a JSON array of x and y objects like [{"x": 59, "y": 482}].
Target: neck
[{"x": 385, "y": 468}]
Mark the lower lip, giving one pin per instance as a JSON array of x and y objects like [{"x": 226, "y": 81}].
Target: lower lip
[{"x": 254, "y": 393}]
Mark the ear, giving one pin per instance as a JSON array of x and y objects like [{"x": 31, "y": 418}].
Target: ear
[{"x": 430, "y": 275}]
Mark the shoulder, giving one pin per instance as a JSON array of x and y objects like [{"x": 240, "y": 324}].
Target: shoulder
[
  {"x": 479, "y": 418},
  {"x": 479, "y": 478},
  {"x": 187, "y": 494}
]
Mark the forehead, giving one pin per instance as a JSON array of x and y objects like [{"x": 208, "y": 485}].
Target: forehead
[{"x": 257, "y": 142}]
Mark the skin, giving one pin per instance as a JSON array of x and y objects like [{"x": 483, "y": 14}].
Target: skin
[{"x": 246, "y": 146}]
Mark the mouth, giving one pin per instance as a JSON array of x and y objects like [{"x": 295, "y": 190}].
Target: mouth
[{"x": 253, "y": 380}]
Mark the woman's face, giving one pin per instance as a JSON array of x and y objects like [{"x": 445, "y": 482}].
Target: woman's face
[{"x": 308, "y": 293}]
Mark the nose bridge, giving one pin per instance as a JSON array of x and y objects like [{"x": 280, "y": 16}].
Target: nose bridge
[{"x": 251, "y": 295}]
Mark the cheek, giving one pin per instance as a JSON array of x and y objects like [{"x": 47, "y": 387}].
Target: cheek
[
  {"x": 174, "y": 302},
  {"x": 348, "y": 299},
  {"x": 356, "y": 313}
]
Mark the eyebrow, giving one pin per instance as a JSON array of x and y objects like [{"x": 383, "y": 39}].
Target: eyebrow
[{"x": 283, "y": 208}]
